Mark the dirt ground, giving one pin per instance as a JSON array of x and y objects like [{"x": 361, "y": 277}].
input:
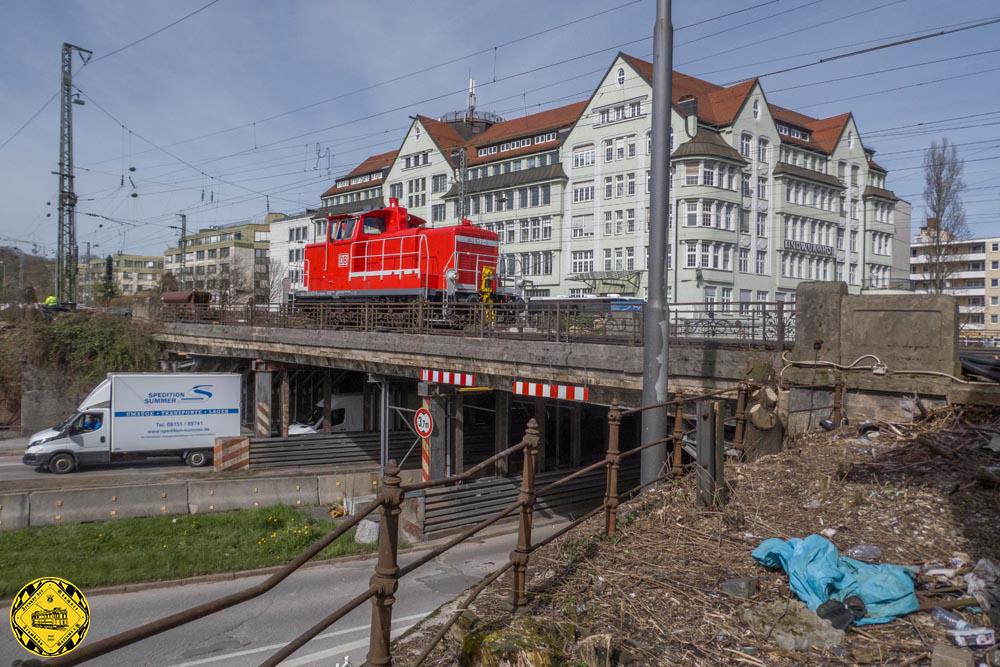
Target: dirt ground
[{"x": 655, "y": 588}]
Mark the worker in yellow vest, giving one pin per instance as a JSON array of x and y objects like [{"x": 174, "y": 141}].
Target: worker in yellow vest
[{"x": 50, "y": 300}]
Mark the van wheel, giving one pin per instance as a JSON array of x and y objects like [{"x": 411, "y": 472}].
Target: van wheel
[
  {"x": 61, "y": 464},
  {"x": 196, "y": 459}
]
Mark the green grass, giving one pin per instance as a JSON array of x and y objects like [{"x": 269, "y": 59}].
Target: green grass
[{"x": 159, "y": 548}]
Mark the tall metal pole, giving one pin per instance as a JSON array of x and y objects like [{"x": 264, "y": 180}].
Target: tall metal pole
[
  {"x": 67, "y": 254},
  {"x": 656, "y": 318},
  {"x": 184, "y": 231}
]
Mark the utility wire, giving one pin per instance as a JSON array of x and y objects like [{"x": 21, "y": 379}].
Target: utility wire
[
  {"x": 28, "y": 122},
  {"x": 154, "y": 33},
  {"x": 878, "y": 47}
]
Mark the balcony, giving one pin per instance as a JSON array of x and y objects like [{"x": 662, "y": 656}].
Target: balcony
[
  {"x": 973, "y": 257},
  {"x": 971, "y": 309},
  {"x": 957, "y": 275}
]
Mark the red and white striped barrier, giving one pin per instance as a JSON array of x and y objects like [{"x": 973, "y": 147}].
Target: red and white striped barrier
[
  {"x": 448, "y": 377},
  {"x": 563, "y": 391}
]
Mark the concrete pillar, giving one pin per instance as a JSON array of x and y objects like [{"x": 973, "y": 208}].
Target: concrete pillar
[
  {"x": 540, "y": 418},
  {"x": 457, "y": 427},
  {"x": 575, "y": 446},
  {"x": 327, "y": 389},
  {"x": 262, "y": 403},
  {"x": 501, "y": 429},
  {"x": 283, "y": 392}
]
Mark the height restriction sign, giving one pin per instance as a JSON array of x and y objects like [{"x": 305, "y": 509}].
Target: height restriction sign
[{"x": 423, "y": 423}]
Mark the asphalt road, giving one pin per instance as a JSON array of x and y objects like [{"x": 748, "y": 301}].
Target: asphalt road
[
  {"x": 11, "y": 469},
  {"x": 249, "y": 633}
]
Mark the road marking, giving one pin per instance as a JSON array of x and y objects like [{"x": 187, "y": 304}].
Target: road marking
[
  {"x": 335, "y": 652},
  {"x": 335, "y": 633}
]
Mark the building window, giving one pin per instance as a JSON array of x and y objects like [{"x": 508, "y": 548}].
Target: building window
[
  {"x": 759, "y": 262},
  {"x": 582, "y": 226},
  {"x": 620, "y": 78},
  {"x": 745, "y": 141},
  {"x": 583, "y": 193},
  {"x": 438, "y": 212},
  {"x": 691, "y": 258},
  {"x": 582, "y": 261},
  {"x": 583, "y": 157},
  {"x": 761, "y": 148},
  {"x": 756, "y": 109},
  {"x": 743, "y": 265},
  {"x": 439, "y": 183}
]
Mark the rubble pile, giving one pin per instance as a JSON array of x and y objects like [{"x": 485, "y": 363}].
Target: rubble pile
[{"x": 677, "y": 585}]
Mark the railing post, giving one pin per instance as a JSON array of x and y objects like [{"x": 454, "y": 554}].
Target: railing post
[
  {"x": 614, "y": 464},
  {"x": 420, "y": 315},
  {"x": 558, "y": 321},
  {"x": 678, "y": 436},
  {"x": 385, "y": 580},
  {"x": 519, "y": 596},
  {"x": 781, "y": 325}
]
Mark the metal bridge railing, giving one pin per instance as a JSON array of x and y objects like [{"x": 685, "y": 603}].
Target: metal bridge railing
[
  {"x": 387, "y": 572},
  {"x": 745, "y": 322}
]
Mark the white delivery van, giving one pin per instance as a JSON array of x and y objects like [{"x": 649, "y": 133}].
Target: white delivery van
[
  {"x": 346, "y": 414},
  {"x": 134, "y": 415}
]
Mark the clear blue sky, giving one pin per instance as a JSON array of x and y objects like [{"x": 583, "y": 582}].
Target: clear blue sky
[{"x": 241, "y": 61}]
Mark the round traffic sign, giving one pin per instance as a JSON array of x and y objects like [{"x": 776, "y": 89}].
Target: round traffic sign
[{"x": 423, "y": 423}]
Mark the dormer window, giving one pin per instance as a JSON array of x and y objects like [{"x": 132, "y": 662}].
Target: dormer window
[
  {"x": 756, "y": 109},
  {"x": 621, "y": 76}
]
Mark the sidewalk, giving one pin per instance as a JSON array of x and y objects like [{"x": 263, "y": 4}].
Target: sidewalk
[{"x": 13, "y": 445}]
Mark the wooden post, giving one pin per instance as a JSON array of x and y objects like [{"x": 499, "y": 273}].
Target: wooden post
[
  {"x": 327, "y": 390},
  {"x": 720, "y": 495},
  {"x": 519, "y": 596},
  {"x": 575, "y": 435},
  {"x": 704, "y": 469},
  {"x": 501, "y": 429},
  {"x": 613, "y": 459},
  {"x": 741, "y": 416},
  {"x": 385, "y": 580},
  {"x": 284, "y": 394},
  {"x": 678, "y": 460}
]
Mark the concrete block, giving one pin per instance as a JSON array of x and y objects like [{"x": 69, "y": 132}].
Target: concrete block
[
  {"x": 367, "y": 531},
  {"x": 818, "y": 320},
  {"x": 106, "y": 503},
  {"x": 233, "y": 494},
  {"x": 334, "y": 488},
  {"x": 13, "y": 511}
]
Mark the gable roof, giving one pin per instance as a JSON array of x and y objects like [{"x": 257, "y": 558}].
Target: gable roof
[
  {"x": 550, "y": 120},
  {"x": 444, "y": 136},
  {"x": 370, "y": 165},
  {"x": 373, "y": 163}
]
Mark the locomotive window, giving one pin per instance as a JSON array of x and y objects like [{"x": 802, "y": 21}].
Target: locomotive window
[
  {"x": 344, "y": 230},
  {"x": 374, "y": 225}
]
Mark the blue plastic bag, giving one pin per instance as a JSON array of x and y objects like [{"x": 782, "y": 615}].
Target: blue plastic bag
[{"x": 817, "y": 573}]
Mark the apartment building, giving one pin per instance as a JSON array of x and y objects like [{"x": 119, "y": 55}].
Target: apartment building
[
  {"x": 763, "y": 197},
  {"x": 130, "y": 274},
  {"x": 968, "y": 269},
  {"x": 289, "y": 236},
  {"x": 229, "y": 261}
]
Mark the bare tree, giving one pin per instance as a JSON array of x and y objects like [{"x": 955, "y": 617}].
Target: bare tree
[
  {"x": 943, "y": 186},
  {"x": 234, "y": 283},
  {"x": 277, "y": 273}
]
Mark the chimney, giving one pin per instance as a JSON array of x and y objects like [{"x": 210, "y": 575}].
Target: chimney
[{"x": 933, "y": 223}]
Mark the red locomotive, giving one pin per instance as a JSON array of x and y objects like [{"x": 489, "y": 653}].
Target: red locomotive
[{"x": 388, "y": 254}]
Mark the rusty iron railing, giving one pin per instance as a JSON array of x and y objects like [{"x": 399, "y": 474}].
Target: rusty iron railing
[
  {"x": 769, "y": 323},
  {"x": 387, "y": 572}
]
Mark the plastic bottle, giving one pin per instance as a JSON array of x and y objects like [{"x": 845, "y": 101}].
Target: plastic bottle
[
  {"x": 949, "y": 619},
  {"x": 865, "y": 552}
]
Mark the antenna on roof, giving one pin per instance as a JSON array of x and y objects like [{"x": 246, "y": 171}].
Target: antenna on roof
[{"x": 471, "y": 113}]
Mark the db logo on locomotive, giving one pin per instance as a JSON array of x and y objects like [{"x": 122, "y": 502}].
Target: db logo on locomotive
[{"x": 49, "y": 616}]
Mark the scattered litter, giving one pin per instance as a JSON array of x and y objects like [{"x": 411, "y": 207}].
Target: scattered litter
[
  {"x": 866, "y": 428},
  {"x": 994, "y": 444},
  {"x": 961, "y": 631},
  {"x": 866, "y": 552},
  {"x": 983, "y": 583},
  {"x": 816, "y": 573},
  {"x": 828, "y": 532},
  {"x": 744, "y": 587},
  {"x": 827, "y": 424},
  {"x": 943, "y": 572},
  {"x": 949, "y": 619},
  {"x": 842, "y": 614},
  {"x": 813, "y": 504}
]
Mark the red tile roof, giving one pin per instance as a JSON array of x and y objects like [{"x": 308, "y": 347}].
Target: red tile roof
[
  {"x": 718, "y": 105},
  {"x": 373, "y": 164},
  {"x": 551, "y": 120},
  {"x": 370, "y": 165},
  {"x": 444, "y": 136}
]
